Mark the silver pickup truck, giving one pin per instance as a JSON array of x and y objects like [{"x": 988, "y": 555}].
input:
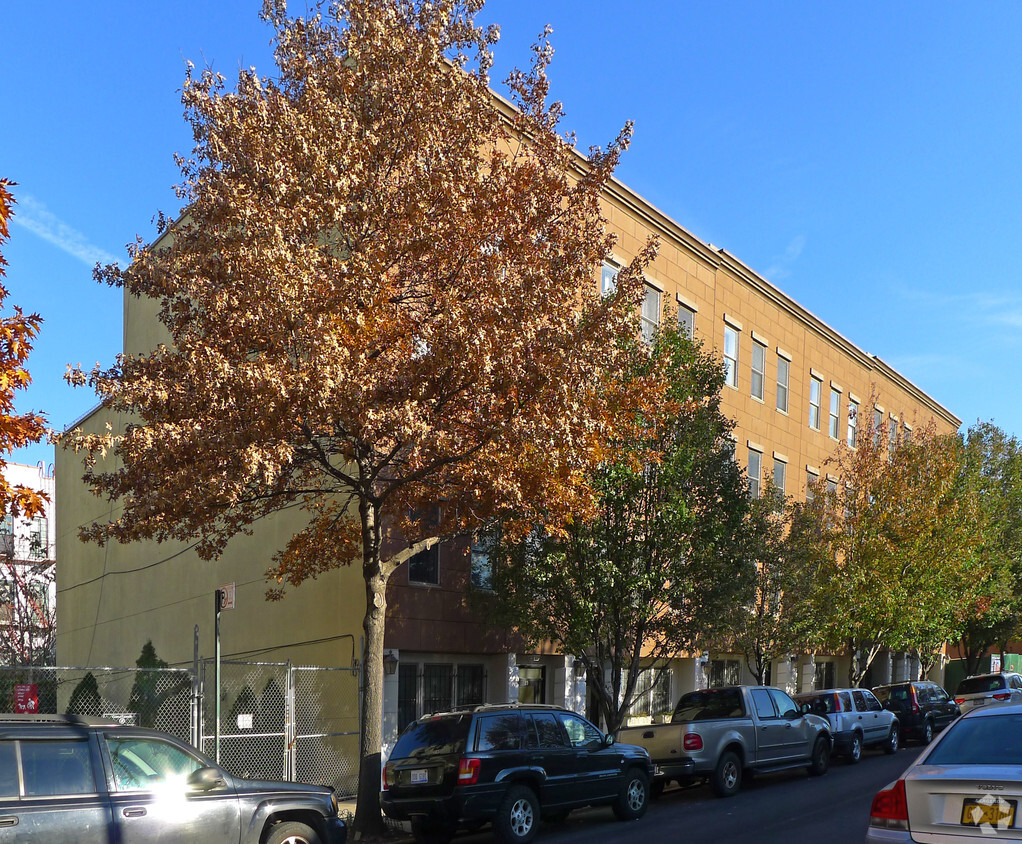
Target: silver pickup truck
[{"x": 717, "y": 734}]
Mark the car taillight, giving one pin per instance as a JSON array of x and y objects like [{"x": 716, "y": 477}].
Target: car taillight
[
  {"x": 1002, "y": 696},
  {"x": 959, "y": 700},
  {"x": 692, "y": 741},
  {"x": 890, "y": 808},
  {"x": 915, "y": 702},
  {"x": 387, "y": 778},
  {"x": 468, "y": 772}
]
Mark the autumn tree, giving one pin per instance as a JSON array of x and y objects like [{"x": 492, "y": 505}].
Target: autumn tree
[
  {"x": 17, "y": 331},
  {"x": 902, "y": 546},
  {"x": 382, "y": 308},
  {"x": 661, "y": 560}
]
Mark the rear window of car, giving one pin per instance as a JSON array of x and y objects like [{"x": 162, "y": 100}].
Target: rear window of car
[
  {"x": 819, "y": 704},
  {"x": 990, "y": 740},
  {"x": 433, "y": 737},
  {"x": 709, "y": 704},
  {"x": 895, "y": 694},
  {"x": 974, "y": 685}
]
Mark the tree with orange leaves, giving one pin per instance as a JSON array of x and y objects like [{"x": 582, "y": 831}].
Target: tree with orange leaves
[
  {"x": 382, "y": 306},
  {"x": 17, "y": 331}
]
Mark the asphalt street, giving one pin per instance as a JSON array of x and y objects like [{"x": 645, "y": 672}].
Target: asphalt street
[{"x": 784, "y": 807}]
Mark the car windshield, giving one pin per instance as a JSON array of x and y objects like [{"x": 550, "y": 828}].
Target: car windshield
[
  {"x": 433, "y": 737},
  {"x": 709, "y": 704},
  {"x": 974, "y": 685},
  {"x": 991, "y": 740}
]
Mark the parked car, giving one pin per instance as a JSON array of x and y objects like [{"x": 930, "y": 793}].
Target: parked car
[
  {"x": 965, "y": 787},
  {"x": 508, "y": 765},
  {"x": 857, "y": 720},
  {"x": 923, "y": 708},
  {"x": 986, "y": 689},
  {"x": 717, "y": 734},
  {"x": 68, "y": 778}
]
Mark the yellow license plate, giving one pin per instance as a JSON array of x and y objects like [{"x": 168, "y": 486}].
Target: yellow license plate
[{"x": 993, "y": 811}]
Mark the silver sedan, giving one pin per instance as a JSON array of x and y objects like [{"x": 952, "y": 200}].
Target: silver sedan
[{"x": 965, "y": 787}]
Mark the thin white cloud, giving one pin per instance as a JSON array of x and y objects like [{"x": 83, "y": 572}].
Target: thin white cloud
[
  {"x": 34, "y": 216},
  {"x": 780, "y": 267},
  {"x": 980, "y": 307}
]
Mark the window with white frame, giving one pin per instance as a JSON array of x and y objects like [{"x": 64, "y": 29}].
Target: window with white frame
[
  {"x": 853, "y": 423},
  {"x": 812, "y": 485},
  {"x": 730, "y": 356},
  {"x": 783, "y": 374},
  {"x": 38, "y": 538},
  {"x": 755, "y": 472},
  {"x": 686, "y": 321},
  {"x": 878, "y": 426},
  {"x": 815, "y": 393},
  {"x": 758, "y": 379},
  {"x": 780, "y": 475},
  {"x": 892, "y": 436},
  {"x": 725, "y": 672},
  {"x": 650, "y": 314},
  {"x": 653, "y": 693},
  {"x": 608, "y": 278},
  {"x": 835, "y": 412}
]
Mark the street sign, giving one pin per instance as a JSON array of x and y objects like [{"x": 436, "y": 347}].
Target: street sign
[
  {"x": 227, "y": 596},
  {"x": 26, "y": 698}
]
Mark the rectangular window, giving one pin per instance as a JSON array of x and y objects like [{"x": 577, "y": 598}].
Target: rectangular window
[
  {"x": 824, "y": 676},
  {"x": 38, "y": 539},
  {"x": 758, "y": 369},
  {"x": 815, "y": 393},
  {"x": 780, "y": 475},
  {"x": 892, "y": 436},
  {"x": 424, "y": 567},
  {"x": 471, "y": 682},
  {"x": 835, "y": 412},
  {"x": 437, "y": 683},
  {"x": 57, "y": 767},
  {"x": 755, "y": 472},
  {"x": 653, "y": 695},
  {"x": 725, "y": 672},
  {"x": 853, "y": 424},
  {"x": 650, "y": 314},
  {"x": 608, "y": 279},
  {"x": 407, "y": 694},
  {"x": 878, "y": 426},
  {"x": 482, "y": 562},
  {"x": 783, "y": 372},
  {"x": 812, "y": 485},
  {"x": 686, "y": 321},
  {"x": 730, "y": 356}
]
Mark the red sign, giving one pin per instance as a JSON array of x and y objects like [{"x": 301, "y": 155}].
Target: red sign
[{"x": 26, "y": 698}]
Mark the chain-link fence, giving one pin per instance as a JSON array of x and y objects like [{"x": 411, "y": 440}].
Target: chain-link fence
[
  {"x": 160, "y": 698},
  {"x": 277, "y": 721}
]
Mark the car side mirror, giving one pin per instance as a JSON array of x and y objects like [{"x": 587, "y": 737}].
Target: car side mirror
[
  {"x": 608, "y": 740},
  {"x": 807, "y": 708},
  {"x": 206, "y": 779},
  {"x": 793, "y": 714}
]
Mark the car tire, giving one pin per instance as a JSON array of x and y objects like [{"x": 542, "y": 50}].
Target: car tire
[
  {"x": 820, "y": 760},
  {"x": 893, "y": 740},
  {"x": 632, "y": 802},
  {"x": 517, "y": 819},
  {"x": 927, "y": 732},
  {"x": 855, "y": 751},
  {"x": 727, "y": 776},
  {"x": 291, "y": 832}
]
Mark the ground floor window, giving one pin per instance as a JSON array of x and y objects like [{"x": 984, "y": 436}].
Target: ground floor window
[
  {"x": 725, "y": 672},
  {"x": 532, "y": 684},
  {"x": 824, "y": 678},
  {"x": 653, "y": 694},
  {"x": 425, "y": 687}
]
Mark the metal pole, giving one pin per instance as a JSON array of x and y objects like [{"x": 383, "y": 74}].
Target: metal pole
[
  {"x": 216, "y": 628},
  {"x": 195, "y": 728}
]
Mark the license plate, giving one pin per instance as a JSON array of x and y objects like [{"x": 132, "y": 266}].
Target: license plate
[
  {"x": 993, "y": 811},
  {"x": 419, "y": 776}
]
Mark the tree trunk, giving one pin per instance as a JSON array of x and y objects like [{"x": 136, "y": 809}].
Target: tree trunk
[{"x": 368, "y": 817}]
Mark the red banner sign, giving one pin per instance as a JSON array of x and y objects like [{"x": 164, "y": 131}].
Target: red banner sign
[{"x": 26, "y": 698}]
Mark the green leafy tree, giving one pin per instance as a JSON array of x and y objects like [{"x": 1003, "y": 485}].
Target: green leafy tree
[{"x": 660, "y": 563}]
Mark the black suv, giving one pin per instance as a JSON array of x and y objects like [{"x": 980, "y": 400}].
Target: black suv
[
  {"x": 68, "y": 778},
  {"x": 509, "y": 765},
  {"x": 923, "y": 708}
]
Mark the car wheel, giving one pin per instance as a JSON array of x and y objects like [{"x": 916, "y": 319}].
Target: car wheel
[
  {"x": 893, "y": 740},
  {"x": 727, "y": 776},
  {"x": 291, "y": 832},
  {"x": 820, "y": 759},
  {"x": 927, "y": 732},
  {"x": 855, "y": 751},
  {"x": 633, "y": 800},
  {"x": 517, "y": 819}
]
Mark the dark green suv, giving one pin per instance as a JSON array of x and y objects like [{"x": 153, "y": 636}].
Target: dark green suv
[
  {"x": 508, "y": 765},
  {"x": 67, "y": 778}
]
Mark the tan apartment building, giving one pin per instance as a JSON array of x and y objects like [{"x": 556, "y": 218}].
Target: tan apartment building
[{"x": 796, "y": 388}]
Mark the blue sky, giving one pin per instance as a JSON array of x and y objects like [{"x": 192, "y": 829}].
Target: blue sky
[{"x": 864, "y": 157}]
